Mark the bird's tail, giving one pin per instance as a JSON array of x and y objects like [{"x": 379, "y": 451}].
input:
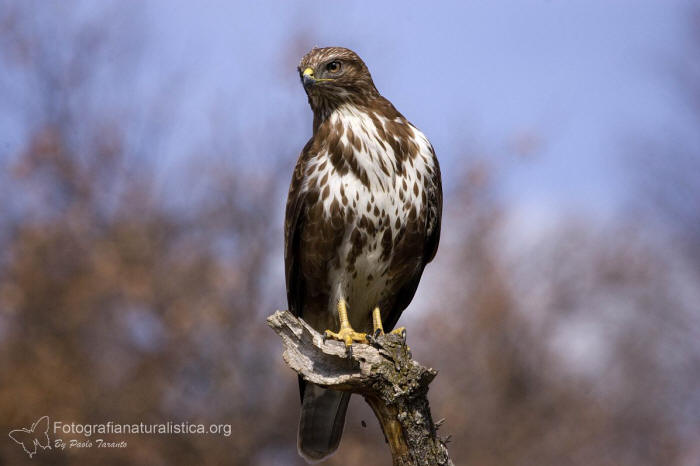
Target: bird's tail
[{"x": 321, "y": 423}]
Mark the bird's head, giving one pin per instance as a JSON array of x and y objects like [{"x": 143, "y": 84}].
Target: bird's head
[{"x": 335, "y": 75}]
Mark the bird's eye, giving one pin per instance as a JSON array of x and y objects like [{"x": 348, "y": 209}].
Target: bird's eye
[{"x": 333, "y": 66}]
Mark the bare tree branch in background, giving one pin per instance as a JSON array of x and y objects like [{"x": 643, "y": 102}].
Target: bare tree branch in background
[
  {"x": 561, "y": 354},
  {"x": 114, "y": 303}
]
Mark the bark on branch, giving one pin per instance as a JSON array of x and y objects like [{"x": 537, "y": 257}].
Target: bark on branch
[{"x": 393, "y": 384}]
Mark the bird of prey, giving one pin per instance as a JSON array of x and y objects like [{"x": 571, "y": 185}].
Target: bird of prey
[{"x": 362, "y": 221}]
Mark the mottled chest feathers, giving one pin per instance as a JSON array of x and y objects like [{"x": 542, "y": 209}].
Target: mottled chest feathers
[
  {"x": 369, "y": 145},
  {"x": 369, "y": 173}
]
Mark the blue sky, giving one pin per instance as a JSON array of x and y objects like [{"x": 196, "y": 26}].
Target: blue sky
[
  {"x": 571, "y": 79},
  {"x": 550, "y": 92}
]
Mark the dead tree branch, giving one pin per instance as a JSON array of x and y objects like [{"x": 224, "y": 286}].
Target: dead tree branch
[{"x": 393, "y": 384}]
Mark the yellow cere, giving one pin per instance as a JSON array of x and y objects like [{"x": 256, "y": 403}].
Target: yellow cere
[{"x": 308, "y": 72}]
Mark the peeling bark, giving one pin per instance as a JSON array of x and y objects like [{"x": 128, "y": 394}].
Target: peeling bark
[{"x": 393, "y": 384}]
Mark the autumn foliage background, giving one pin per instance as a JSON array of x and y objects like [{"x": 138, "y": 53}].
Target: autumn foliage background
[{"x": 134, "y": 287}]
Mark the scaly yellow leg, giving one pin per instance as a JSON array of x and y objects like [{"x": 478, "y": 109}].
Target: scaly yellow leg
[
  {"x": 346, "y": 333},
  {"x": 379, "y": 328}
]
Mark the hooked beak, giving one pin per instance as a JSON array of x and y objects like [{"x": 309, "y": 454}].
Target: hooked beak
[{"x": 307, "y": 78}]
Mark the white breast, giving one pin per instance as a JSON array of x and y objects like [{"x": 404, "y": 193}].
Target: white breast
[{"x": 385, "y": 203}]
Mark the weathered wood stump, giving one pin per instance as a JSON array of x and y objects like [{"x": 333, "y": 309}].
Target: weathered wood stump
[{"x": 393, "y": 384}]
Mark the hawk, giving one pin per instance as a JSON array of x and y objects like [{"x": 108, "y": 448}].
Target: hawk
[{"x": 362, "y": 221}]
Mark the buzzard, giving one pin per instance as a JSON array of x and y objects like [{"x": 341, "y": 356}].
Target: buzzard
[{"x": 362, "y": 221}]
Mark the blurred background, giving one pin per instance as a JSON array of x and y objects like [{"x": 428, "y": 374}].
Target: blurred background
[{"x": 146, "y": 150}]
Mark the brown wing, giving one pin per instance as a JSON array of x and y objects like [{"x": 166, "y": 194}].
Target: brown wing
[
  {"x": 293, "y": 226},
  {"x": 433, "y": 222},
  {"x": 295, "y": 214},
  {"x": 309, "y": 245}
]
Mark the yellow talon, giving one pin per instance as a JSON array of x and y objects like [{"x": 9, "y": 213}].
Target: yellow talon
[
  {"x": 377, "y": 324},
  {"x": 346, "y": 333}
]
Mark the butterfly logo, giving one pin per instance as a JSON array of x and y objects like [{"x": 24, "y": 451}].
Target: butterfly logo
[{"x": 37, "y": 435}]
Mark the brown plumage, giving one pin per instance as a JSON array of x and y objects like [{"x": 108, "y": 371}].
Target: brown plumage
[{"x": 362, "y": 219}]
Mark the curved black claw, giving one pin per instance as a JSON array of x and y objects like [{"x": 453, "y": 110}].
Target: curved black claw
[{"x": 372, "y": 339}]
